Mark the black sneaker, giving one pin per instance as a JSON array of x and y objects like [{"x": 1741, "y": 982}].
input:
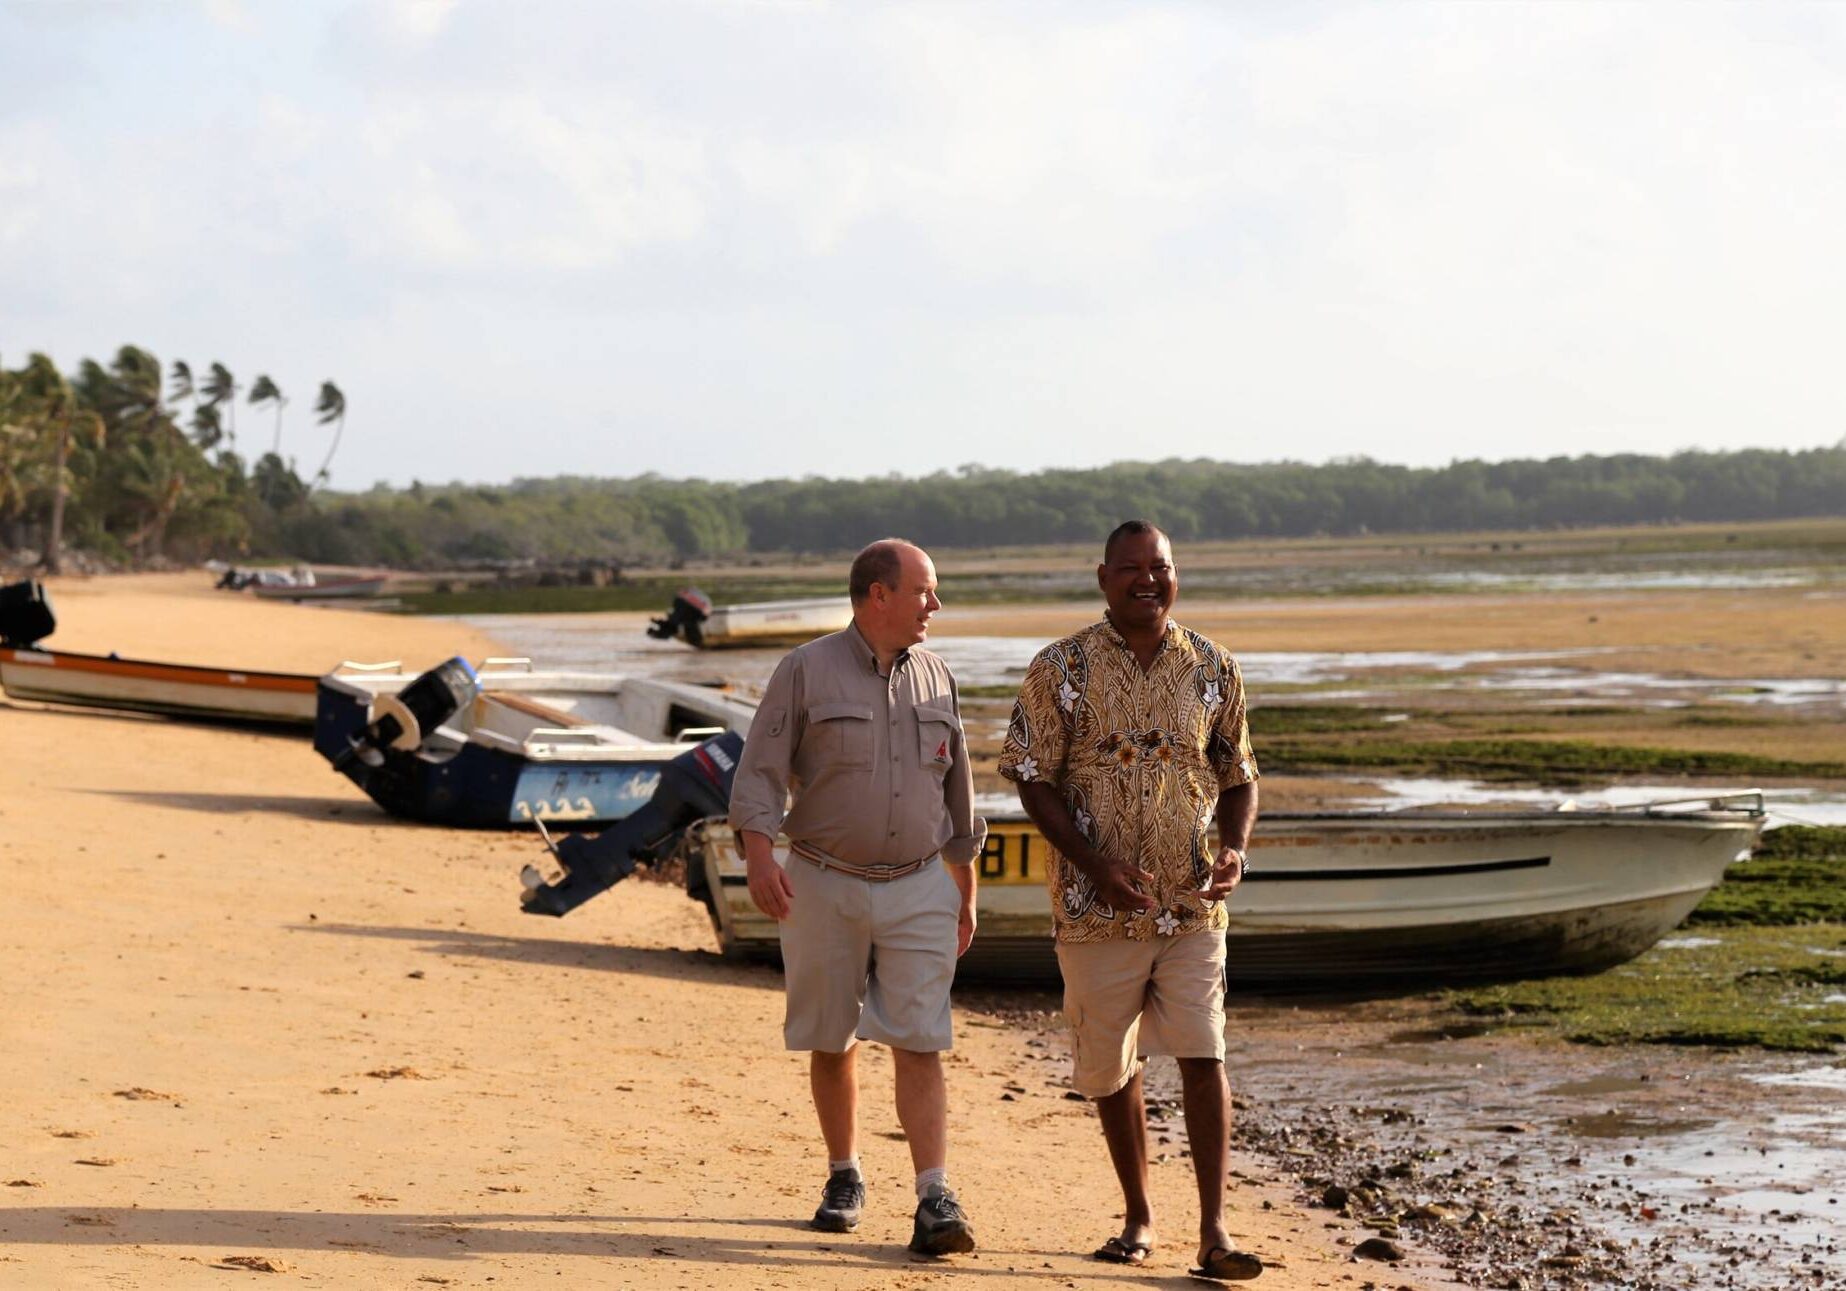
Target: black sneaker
[
  {"x": 941, "y": 1228},
  {"x": 845, "y": 1198}
]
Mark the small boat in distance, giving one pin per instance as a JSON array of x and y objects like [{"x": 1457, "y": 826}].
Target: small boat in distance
[
  {"x": 761, "y": 624},
  {"x": 1357, "y": 902},
  {"x": 338, "y": 589}
]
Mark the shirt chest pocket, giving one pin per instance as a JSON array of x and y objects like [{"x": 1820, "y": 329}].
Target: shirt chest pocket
[
  {"x": 839, "y": 736},
  {"x": 935, "y": 738}
]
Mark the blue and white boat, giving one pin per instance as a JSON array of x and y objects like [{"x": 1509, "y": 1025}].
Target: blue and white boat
[{"x": 578, "y": 750}]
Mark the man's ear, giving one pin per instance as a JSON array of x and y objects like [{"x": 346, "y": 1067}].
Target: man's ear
[{"x": 1101, "y": 572}]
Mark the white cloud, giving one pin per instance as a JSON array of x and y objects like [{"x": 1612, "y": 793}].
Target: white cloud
[{"x": 1417, "y": 232}]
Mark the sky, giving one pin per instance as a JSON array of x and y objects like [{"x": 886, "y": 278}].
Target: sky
[{"x": 739, "y": 240}]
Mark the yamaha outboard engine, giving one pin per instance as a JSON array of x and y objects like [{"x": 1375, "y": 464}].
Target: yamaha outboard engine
[
  {"x": 690, "y": 610},
  {"x": 402, "y": 720},
  {"x": 694, "y": 785},
  {"x": 25, "y": 614}
]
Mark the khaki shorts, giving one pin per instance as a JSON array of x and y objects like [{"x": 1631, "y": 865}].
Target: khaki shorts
[
  {"x": 1127, "y": 999},
  {"x": 872, "y": 961}
]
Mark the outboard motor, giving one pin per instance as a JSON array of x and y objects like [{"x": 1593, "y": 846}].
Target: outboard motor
[
  {"x": 690, "y": 610},
  {"x": 402, "y": 720},
  {"x": 25, "y": 614},
  {"x": 694, "y": 785}
]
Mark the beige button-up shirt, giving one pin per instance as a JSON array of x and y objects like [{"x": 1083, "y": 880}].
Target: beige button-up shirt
[{"x": 877, "y": 765}]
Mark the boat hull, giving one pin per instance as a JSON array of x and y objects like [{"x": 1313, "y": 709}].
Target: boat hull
[
  {"x": 175, "y": 690},
  {"x": 773, "y": 624},
  {"x": 345, "y": 589},
  {"x": 1367, "y": 903}
]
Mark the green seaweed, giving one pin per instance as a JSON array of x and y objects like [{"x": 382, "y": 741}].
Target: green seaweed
[
  {"x": 1764, "y": 970},
  {"x": 1556, "y": 761}
]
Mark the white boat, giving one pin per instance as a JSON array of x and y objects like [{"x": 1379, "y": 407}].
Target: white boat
[
  {"x": 757, "y": 625},
  {"x": 583, "y": 749},
  {"x": 139, "y": 685},
  {"x": 1354, "y": 902},
  {"x": 338, "y": 589}
]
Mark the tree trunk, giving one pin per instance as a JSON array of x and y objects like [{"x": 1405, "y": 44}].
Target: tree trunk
[{"x": 54, "y": 542}]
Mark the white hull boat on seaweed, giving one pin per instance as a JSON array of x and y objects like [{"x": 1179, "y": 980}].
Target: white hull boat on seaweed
[
  {"x": 757, "y": 625},
  {"x": 1357, "y": 902}
]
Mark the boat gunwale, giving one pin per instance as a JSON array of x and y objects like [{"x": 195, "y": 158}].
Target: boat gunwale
[{"x": 154, "y": 670}]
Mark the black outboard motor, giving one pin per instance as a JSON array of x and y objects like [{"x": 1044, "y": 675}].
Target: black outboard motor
[
  {"x": 694, "y": 785},
  {"x": 402, "y": 720},
  {"x": 25, "y": 614},
  {"x": 690, "y": 610}
]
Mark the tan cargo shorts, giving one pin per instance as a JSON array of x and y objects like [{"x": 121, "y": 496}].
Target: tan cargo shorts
[
  {"x": 1125, "y": 1000},
  {"x": 869, "y": 961}
]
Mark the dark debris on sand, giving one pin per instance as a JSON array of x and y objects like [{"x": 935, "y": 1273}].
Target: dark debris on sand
[{"x": 1496, "y": 1225}]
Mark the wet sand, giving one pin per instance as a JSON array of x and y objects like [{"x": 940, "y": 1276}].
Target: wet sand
[{"x": 254, "y": 1022}]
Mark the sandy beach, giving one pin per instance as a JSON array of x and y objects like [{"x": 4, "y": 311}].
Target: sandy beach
[{"x": 253, "y": 1022}]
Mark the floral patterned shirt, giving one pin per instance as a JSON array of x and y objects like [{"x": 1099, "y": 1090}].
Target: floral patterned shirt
[{"x": 1141, "y": 758}]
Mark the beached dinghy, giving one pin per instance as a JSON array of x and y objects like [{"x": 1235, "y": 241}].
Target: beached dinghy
[
  {"x": 578, "y": 749},
  {"x": 312, "y": 589},
  {"x": 763, "y": 625},
  {"x": 30, "y": 671},
  {"x": 1357, "y": 902}
]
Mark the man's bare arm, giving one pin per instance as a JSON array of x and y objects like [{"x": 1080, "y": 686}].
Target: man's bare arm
[
  {"x": 1236, "y": 818},
  {"x": 1118, "y": 882}
]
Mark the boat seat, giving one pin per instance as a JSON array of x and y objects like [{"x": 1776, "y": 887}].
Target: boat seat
[{"x": 533, "y": 708}]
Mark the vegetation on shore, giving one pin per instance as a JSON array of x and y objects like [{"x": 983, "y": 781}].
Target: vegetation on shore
[
  {"x": 1761, "y": 963},
  {"x": 132, "y": 463}
]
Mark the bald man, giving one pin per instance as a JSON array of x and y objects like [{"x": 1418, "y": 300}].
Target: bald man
[{"x": 863, "y": 728}]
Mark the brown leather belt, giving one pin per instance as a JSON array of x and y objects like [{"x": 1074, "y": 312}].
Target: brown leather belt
[{"x": 870, "y": 873}]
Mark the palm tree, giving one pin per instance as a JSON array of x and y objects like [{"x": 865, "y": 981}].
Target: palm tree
[
  {"x": 181, "y": 378},
  {"x": 207, "y": 426},
  {"x": 263, "y": 390},
  {"x": 219, "y": 388},
  {"x": 331, "y": 407},
  {"x": 59, "y": 411}
]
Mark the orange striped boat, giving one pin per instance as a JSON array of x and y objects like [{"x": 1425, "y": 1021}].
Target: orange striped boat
[{"x": 135, "y": 685}]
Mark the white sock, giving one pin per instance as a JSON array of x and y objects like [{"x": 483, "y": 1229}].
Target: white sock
[
  {"x": 850, "y": 1163},
  {"x": 935, "y": 1179}
]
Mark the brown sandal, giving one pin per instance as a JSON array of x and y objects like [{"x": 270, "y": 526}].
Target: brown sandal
[
  {"x": 1119, "y": 1251},
  {"x": 1228, "y": 1264}
]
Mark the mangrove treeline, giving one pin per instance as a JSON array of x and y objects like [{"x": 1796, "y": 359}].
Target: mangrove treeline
[
  {"x": 653, "y": 520},
  {"x": 132, "y": 462}
]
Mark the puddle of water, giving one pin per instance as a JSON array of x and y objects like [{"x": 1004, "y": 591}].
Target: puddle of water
[
  {"x": 1655, "y": 581},
  {"x": 1595, "y": 1085},
  {"x": 1624, "y": 1125}
]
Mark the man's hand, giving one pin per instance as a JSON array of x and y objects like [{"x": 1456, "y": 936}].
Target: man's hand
[
  {"x": 1120, "y": 884},
  {"x": 964, "y": 929},
  {"x": 769, "y": 885},
  {"x": 1225, "y": 875}
]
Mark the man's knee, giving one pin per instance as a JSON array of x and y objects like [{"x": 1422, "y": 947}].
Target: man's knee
[{"x": 1201, "y": 1070}]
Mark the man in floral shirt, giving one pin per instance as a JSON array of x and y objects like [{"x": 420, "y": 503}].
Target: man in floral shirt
[{"x": 1128, "y": 737}]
